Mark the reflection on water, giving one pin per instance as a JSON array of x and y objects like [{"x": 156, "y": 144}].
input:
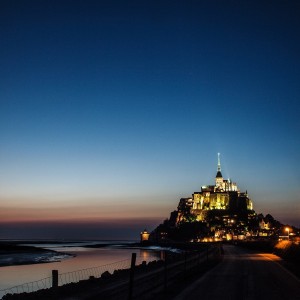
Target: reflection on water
[
  {"x": 148, "y": 255},
  {"x": 144, "y": 254},
  {"x": 85, "y": 258}
]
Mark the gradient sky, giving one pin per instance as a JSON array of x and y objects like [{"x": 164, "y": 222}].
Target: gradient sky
[{"x": 111, "y": 111}]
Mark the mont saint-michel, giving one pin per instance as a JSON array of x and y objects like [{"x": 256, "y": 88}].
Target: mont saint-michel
[{"x": 217, "y": 212}]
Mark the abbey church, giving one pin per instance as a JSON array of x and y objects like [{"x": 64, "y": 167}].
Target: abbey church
[
  {"x": 219, "y": 211},
  {"x": 224, "y": 196}
]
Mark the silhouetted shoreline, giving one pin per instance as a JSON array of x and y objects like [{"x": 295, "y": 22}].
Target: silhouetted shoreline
[{"x": 13, "y": 254}]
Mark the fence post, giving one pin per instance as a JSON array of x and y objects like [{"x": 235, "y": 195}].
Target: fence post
[
  {"x": 54, "y": 278},
  {"x": 185, "y": 263},
  {"x": 165, "y": 272},
  {"x": 131, "y": 276}
]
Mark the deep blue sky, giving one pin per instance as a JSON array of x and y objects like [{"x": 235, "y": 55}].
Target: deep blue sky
[{"x": 113, "y": 110}]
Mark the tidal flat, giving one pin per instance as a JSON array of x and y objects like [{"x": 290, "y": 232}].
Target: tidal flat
[{"x": 12, "y": 254}]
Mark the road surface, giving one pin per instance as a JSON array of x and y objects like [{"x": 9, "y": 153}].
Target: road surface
[{"x": 245, "y": 275}]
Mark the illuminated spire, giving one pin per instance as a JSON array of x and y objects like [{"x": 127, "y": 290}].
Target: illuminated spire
[
  {"x": 219, "y": 174},
  {"x": 219, "y": 163}
]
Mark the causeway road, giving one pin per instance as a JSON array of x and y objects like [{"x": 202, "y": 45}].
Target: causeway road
[{"x": 245, "y": 275}]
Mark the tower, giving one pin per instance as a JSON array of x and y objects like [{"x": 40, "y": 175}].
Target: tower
[{"x": 219, "y": 177}]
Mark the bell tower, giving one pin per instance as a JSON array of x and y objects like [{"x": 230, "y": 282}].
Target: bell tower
[{"x": 219, "y": 177}]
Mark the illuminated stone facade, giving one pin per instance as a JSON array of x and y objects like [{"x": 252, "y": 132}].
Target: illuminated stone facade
[
  {"x": 223, "y": 196},
  {"x": 218, "y": 212}
]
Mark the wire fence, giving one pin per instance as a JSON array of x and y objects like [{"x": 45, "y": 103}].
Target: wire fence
[
  {"x": 28, "y": 287},
  {"x": 161, "y": 278},
  {"x": 83, "y": 274},
  {"x": 73, "y": 277},
  {"x": 145, "y": 275}
]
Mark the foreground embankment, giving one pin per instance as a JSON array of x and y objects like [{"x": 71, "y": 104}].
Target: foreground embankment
[
  {"x": 159, "y": 279},
  {"x": 289, "y": 251}
]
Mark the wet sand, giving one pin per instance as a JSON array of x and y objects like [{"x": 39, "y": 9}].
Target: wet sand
[{"x": 12, "y": 254}]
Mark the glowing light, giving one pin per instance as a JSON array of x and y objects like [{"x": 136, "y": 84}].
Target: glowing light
[
  {"x": 145, "y": 235},
  {"x": 288, "y": 232}
]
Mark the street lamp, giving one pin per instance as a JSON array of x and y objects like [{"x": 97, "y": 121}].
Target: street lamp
[{"x": 288, "y": 232}]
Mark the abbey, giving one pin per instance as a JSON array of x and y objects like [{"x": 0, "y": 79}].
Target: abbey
[
  {"x": 224, "y": 197},
  {"x": 218, "y": 212}
]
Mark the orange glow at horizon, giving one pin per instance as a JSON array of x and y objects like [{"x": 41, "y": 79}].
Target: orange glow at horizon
[{"x": 88, "y": 211}]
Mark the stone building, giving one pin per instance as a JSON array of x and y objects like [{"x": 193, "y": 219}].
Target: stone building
[{"x": 224, "y": 196}]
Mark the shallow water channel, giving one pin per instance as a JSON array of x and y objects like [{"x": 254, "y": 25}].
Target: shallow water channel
[{"x": 84, "y": 258}]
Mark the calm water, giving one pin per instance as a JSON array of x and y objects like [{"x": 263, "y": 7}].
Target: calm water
[{"x": 85, "y": 258}]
